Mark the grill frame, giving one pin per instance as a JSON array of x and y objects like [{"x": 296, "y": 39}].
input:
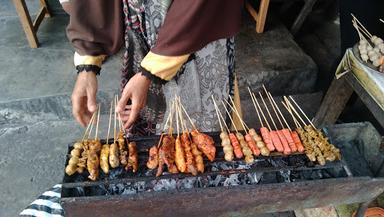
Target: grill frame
[{"x": 244, "y": 199}]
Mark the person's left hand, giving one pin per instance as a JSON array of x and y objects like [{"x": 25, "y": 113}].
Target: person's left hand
[{"x": 136, "y": 90}]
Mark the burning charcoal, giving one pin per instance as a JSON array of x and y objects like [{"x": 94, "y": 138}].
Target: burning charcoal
[
  {"x": 165, "y": 185},
  {"x": 129, "y": 191},
  {"x": 286, "y": 175},
  {"x": 232, "y": 180},
  {"x": 187, "y": 183}
]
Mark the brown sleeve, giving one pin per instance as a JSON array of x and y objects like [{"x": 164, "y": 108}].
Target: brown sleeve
[
  {"x": 95, "y": 26},
  {"x": 191, "y": 24}
]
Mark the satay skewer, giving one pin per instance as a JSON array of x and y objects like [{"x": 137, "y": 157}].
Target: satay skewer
[
  {"x": 239, "y": 140},
  {"x": 77, "y": 160},
  {"x": 248, "y": 138},
  {"x": 273, "y": 137},
  {"x": 265, "y": 132},
  {"x": 286, "y": 132},
  {"x": 93, "y": 161},
  {"x": 294, "y": 134},
  {"x": 191, "y": 165},
  {"x": 179, "y": 151},
  {"x": 113, "y": 148},
  {"x": 104, "y": 154},
  {"x": 225, "y": 141},
  {"x": 283, "y": 134},
  {"x": 276, "y": 137}
]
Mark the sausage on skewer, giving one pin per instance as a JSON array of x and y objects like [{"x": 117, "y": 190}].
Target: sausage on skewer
[{"x": 248, "y": 138}]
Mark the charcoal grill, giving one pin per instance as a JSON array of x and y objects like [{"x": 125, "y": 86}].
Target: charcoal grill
[{"x": 271, "y": 184}]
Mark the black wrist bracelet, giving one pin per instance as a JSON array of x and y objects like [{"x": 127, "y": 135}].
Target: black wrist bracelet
[
  {"x": 88, "y": 68},
  {"x": 152, "y": 77}
]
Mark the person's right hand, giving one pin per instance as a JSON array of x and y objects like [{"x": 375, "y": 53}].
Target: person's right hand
[{"x": 84, "y": 97}]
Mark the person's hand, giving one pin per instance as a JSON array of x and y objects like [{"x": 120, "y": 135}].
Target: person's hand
[
  {"x": 136, "y": 90},
  {"x": 84, "y": 97}
]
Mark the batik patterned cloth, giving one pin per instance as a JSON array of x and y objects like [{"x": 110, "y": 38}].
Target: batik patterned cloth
[{"x": 208, "y": 73}]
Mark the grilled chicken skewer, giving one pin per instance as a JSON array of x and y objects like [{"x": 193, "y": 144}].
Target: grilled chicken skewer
[
  {"x": 204, "y": 142},
  {"x": 76, "y": 152},
  {"x": 104, "y": 154},
  {"x": 113, "y": 148},
  {"x": 197, "y": 154},
  {"x": 93, "y": 153},
  {"x": 167, "y": 148},
  {"x": 186, "y": 144},
  {"x": 179, "y": 150}
]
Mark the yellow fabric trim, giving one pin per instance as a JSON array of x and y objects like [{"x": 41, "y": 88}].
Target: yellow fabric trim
[
  {"x": 88, "y": 60},
  {"x": 164, "y": 67}
]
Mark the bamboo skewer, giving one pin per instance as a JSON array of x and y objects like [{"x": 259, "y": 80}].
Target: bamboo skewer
[
  {"x": 177, "y": 118},
  {"x": 261, "y": 111},
  {"x": 114, "y": 122},
  {"x": 273, "y": 107},
  {"x": 183, "y": 126},
  {"x": 254, "y": 105},
  {"x": 89, "y": 125},
  {"x": 362, "y": 26},
  {"x": 294, "y": 110},
  {"x": 282, "y": 116},
  {"x": 381, "y": 20},
  {"x": 298, "y": 125},
  {"x": 193, "y": 125},
  {"x": 170, "y": 129},
  {"x": 229, "y": 115},
  {"x": 217, "y": 113},
  {"x": 266, "y": 108},
  {"x": 109, "y": 122},
  {"x": 245, "y": 126},
  {"x": 92, "y": 123},
  {"x": 97, "y": 122},
  {"x": 237, "y": 113},
  {"x": 221, "y": 116},
  {"x": 301, "y": 110}
]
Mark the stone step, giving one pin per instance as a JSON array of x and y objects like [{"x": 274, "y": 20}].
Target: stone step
[{"x": 274, "y": 59}]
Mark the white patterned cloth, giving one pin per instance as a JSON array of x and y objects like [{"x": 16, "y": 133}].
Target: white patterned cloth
[{"x": 47, "y": 205}]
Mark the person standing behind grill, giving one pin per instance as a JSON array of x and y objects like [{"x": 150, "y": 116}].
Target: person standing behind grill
[{"x": 178, "y": 47}]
